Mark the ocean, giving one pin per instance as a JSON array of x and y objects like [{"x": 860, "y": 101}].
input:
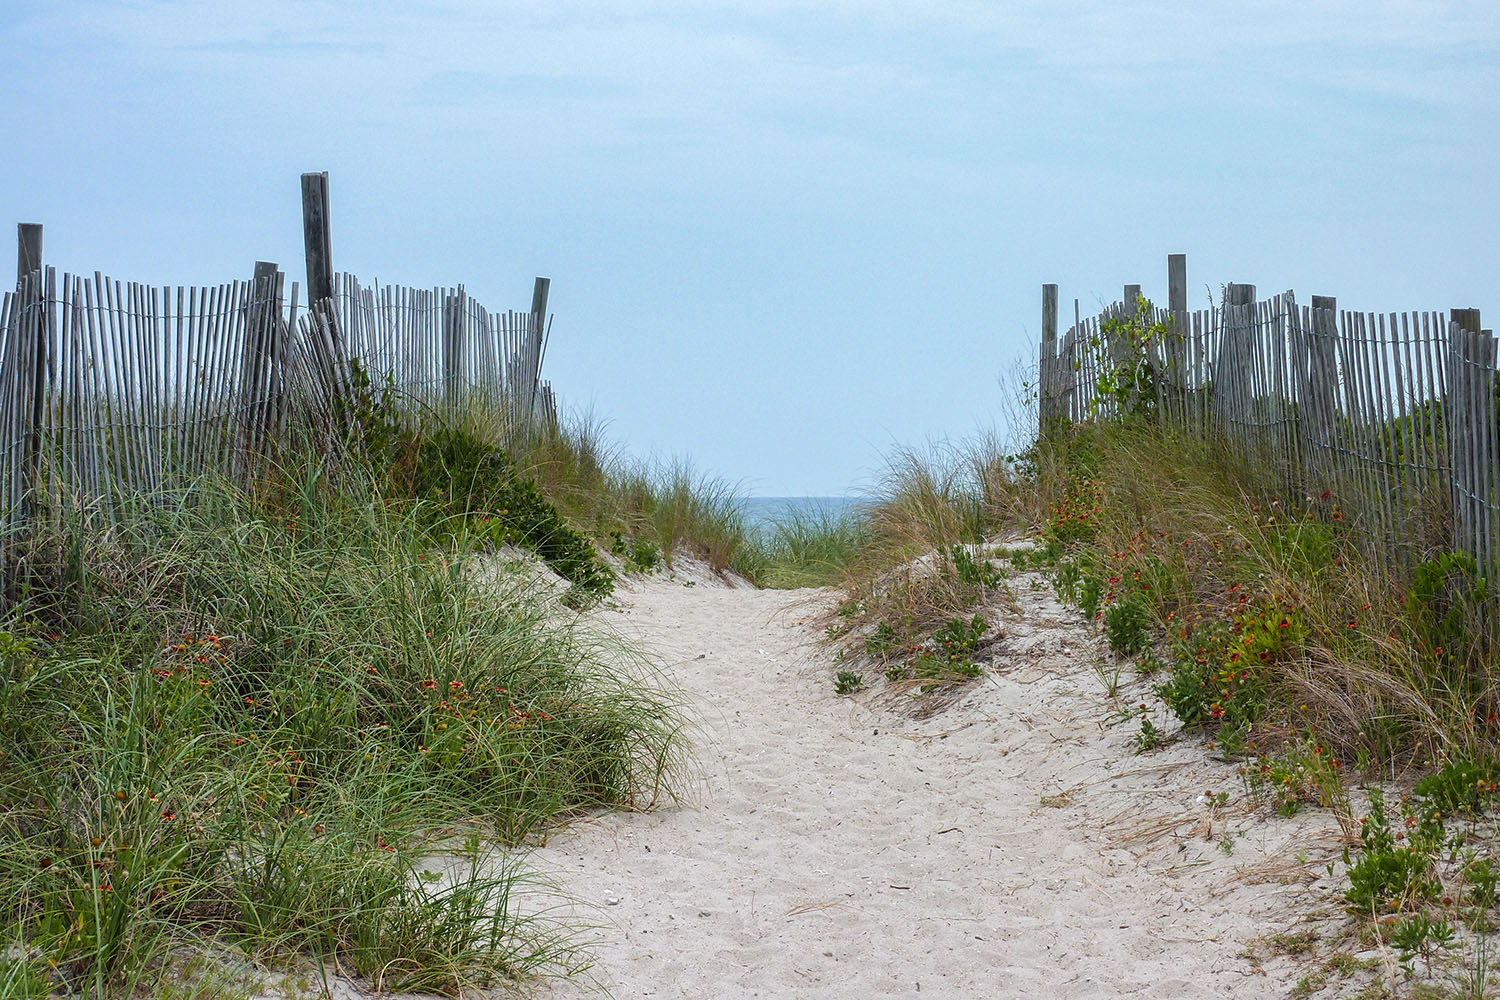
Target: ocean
[{"x": 762, "y": 513}]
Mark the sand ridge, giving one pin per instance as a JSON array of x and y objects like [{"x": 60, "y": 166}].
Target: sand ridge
[{"x": 1008, "y": 845}]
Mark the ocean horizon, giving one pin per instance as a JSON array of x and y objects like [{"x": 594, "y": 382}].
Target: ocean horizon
[{"x": 763, "y": 513}]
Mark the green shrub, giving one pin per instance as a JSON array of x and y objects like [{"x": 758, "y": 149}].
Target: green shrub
[
  {"x": 847, "y": 682},
  {"x": 1445, "y": 604},
  {"x": 1387, "y": 875},
  {"x": 1461, "y": 787},
  {"x": 468, "y": 483},
  {"x": 641, "y": 555},
  {"x": 1127, "y": 625},
  {"x": 975, "y": 573}
]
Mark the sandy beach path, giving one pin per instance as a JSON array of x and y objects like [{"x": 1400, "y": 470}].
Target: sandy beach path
[{"x": 1007, "y": 846}]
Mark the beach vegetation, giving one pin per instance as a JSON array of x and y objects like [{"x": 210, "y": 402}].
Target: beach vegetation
[{"x": 307, "y": 720}]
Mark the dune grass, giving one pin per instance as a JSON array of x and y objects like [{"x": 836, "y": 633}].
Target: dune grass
[
  {"x": 811, "y": 548},
  {"x": 611, "y": 496},
  {"x": 251, "y": 721},
  {"x": 1390, "y": 671}
]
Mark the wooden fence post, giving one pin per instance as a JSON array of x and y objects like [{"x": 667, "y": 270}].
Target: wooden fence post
[
  {"x": 28, "y": 249},
  {"x": 1318, "y": 418},
  {"x": 1236, "y": 355},
  {"x": 1464, "y": 409},
  {"x": 1174, "y": 351},
  {"x": 33, "y": 311},
  {"x": 539, "y": 296},
  {"x": 539, "y": 293},
  {"x": 1047, "y": 364},
  {"x": 258, "y": 376},
  {"x": 316, "y": 238}
]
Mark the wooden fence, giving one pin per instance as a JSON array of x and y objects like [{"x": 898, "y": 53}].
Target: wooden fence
[
  {"x": 1392, "y": 415},
  {"x": 112, "y": 392}
]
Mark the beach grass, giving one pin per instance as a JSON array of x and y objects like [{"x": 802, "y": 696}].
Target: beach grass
[
  {"x": 251, "y": 722},
  {"x": 611, "y": 495},
  {"x": 811, "y": 547}
]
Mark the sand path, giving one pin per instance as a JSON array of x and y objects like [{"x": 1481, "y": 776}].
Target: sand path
[{"x": 1009, "y": 845}]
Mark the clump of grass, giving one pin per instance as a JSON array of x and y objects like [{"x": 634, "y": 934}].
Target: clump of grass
[
  {"x": 811, "y": 548},
  {"x": 252, "y": 722},
  {"x": 921, "y": 562},
  {"x": 672, "y": 505}
]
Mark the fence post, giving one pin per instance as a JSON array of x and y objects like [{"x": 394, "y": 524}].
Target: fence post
[
  {"x": 316, "y": 238},
  {"x": 1047, "y": 365},
  {"x": 1317, "y": 422},
  {"x": 1174, "y": 349},
  {"x": 257, "y": 377},
  {"x": 1463, "y": 409},
  {"x": 539, "y": 292},
  {"x": 28, "y": 249},
  {"x": 1231, "y": 374},
  {"x": 33, "y": 312}
]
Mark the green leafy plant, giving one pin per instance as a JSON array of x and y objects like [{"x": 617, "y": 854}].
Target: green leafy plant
[
  {"x": 1419, "y": 934},
  {"x": 1127, "y": 357},
  {"x": 1090, "y": 596},
  {"x": 1482, "y": 876},
  {"x": 1445, "y": 607},
  {"x": 1067, "y": 579},
  {"x": 847, "y": 682},
  {"x": 975, "y": 573},
  {"x": 947, "y": 658},
  {"x": 1461, "y": 787},
  {"x": 641, "y": 555},
  {"x": 466, "y": 483},
  {"x": 1303, "y": 772},
  {"x": 1150, "y": 736},
  {"x": 1074, "y": 518},
  {"x": 1127, "y": 625},
  {"x": 1391, "y": 874},
  {"x": 883, "y": 641}
]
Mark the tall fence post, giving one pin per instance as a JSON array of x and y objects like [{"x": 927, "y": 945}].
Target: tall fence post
[
  {"x": 539, "y": 292},
  {"x": 28, "y": 249},
  {"x": 34, "y": 312},
  {"x": 1317, "y": 419},
  {"x": 1232, "y": 372},
  {"x": 258, "y": 375},
  {"x": 1047, "y": 364},
  {"x": 316, "y": 238},
  {"x": 1175, "y": 349},
  {"x": 454, "y": 309},
  {"x": 1467, "y": 409}
]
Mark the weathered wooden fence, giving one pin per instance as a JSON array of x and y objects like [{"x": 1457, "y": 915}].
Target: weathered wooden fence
[
  {"x": 1393, "y": 415},
  {"x": 112, "y": 392}
]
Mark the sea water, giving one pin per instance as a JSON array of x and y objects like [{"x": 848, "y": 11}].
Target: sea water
[{"x": 763, "y": 513}]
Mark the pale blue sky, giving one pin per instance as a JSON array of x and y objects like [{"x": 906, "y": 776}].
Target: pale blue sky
[{"x": 782, "y": 235}]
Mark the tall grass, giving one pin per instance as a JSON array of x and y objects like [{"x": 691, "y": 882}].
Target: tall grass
[
  {"x": 811, "y": 548},
  {"x": 905, "y": 578},
  {"x": 606, "y": 493},
  {"x": 251, "y": 721},
  {"x": 1386, "y": 670}
]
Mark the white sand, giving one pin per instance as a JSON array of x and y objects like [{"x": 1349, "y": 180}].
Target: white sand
[{"x": 841, "y": 848}]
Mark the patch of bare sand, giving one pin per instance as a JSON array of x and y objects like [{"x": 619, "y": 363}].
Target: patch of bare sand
[{"x": 1011, "y": 844}]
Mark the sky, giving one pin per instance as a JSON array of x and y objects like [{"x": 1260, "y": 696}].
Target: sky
[{"x": 784, "y": 237}]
